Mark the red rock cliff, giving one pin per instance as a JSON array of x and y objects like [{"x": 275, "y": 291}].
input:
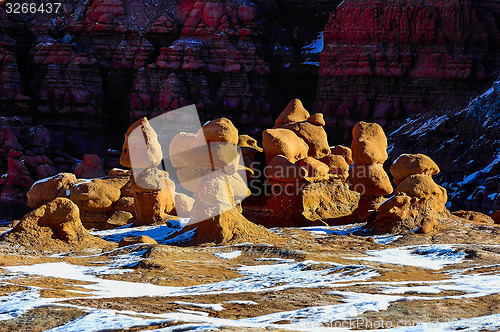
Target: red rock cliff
[{"x": 384, "y": 60}]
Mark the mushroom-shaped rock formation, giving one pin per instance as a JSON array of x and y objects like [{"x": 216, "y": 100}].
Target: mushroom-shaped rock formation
[
  {"x": 141, "y": 149},
  {"x": 418, "y": 201},
  {"x": 314, "y": 167},
  {"x": 210, "y": 166},
  {"x": 369, "y": 144},
  {"x": 409, "y": 164},
  {"x": 151, "y": 188},
  {"x": 367, "y": 176},
  {"x": 336, "y": 165},
  {"x": 293, "y": 113}
]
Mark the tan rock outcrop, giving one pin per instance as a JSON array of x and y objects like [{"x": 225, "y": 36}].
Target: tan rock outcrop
[
  {"x": 337, "y": 165},
  {"x": 151, "y": 188},
  {"x": 304, "y": 183},
  {"x": 97, "y": 194},
  {"x": 409, "y": 164},
  {"x": 314, "y": 167},
  {"x": 294, "y": 112},
  {"x": 54, "y": 225},
  {"x": 283, "y": 170},
  {"x": 153, "y": 198},
  {"x": 369, "y": 144},
  {"x": 309, "y": 128},
  {"x": 370, "y": 180},
  {"x": 344, "y": 152},
  {"x": 314, "y": 136},
  {"x": 428, "y": 225},
  {"x": 283, "y": 142},
  {"x": 418, "y": 201},
  {"x": 46, "y": 190},
  {"x": 220, "y": 130},
  {"x": 183, "y": 205}
]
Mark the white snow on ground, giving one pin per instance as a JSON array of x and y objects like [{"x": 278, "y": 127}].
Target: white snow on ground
[
  {"x": 280, "y": 274},
  {"x": 433, "y": 257},
  {"x": 215, "y": 307},
  {"x": 386, "y": 239},
  {"x": 228, "y": 255},
  {"x": 15, "y": 304},
  {"x": 320, "y": 231},
  {"x": 256, "y": 278},
  {"x": 242, "y": 302},
  {"x": 338, "y": 230},
  {"x": 162, "y": 234},
  {"x": 102, "y": 319}
]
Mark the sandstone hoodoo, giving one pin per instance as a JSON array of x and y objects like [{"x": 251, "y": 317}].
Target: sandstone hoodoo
[
  {"x": 418, "y": 201},
  {"x": 304, "y": 182},
  {"x": 53, "y": 225},
  {"x": 367, "y": 176},
  {"x": 209, "y": 167},
  {"x": 151, "y": 188}
]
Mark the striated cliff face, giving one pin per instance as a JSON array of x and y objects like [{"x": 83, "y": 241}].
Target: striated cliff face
[
  {"x": 89, "y": 70},
  {"x": 385, "y": 60}
]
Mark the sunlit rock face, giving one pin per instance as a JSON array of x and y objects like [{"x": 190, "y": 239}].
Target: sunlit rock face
[{"x": 385, "y": 60}]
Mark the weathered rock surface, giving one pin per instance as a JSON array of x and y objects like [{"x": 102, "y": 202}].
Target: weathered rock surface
[
  {"x": 52, "y": 225},
  {"x": 128, "y": 241},
  {"x": 367, "y": 176},
  {"x": 418, "y": 202},
  {"x": 46, "y": 190},
  {"x": 283, "y": 142},
  {"x": 385, "y": 60},
  {"x": 465, "y": 144}
]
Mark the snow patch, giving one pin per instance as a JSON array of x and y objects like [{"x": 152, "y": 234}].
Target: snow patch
[
  {"x": 433, "y": 257},
  {"x": 228, "y": 255}
]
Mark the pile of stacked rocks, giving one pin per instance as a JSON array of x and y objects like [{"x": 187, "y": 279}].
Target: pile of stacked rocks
[
  {"x": 368, "y": 177},
  {"x": 303, "y": 179},
  {"x": 103, "y": 203},
  {"x": 418, "y": 201}
]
